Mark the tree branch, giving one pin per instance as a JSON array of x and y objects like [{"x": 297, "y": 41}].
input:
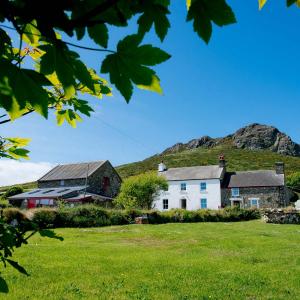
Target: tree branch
[
  {"x": 9, "y": 120},
  {"x": 101, "y": 8}
]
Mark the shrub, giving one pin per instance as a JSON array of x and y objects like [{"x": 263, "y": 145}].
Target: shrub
[
  {"x": 10, "y": 214},
  {"x": 293, "y": 181},
  {"x": 45, "y": 217},
  {"x": 139, "y": 191},
  {"x": 15, "y": 190},
  {"x": 94, "y": 216},
  {"x": 4, "y": 203}
]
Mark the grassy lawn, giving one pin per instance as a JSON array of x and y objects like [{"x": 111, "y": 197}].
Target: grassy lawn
[{"x": 247, "y": 260}]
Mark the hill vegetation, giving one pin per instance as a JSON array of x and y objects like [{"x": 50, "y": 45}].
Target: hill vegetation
[{"x": 237, "y": 160}]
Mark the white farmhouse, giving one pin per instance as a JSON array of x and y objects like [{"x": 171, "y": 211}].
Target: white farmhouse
[{"x": 191, "y": 187}]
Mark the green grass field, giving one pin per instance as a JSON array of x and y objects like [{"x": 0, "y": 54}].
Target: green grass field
[{"x": 246, "y": 260}]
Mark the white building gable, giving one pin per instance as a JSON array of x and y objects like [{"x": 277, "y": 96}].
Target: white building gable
[{"x": 191, "y": 188}]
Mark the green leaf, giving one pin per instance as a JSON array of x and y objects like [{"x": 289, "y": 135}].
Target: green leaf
[
  {"x": 153, "y": 87},
  {"x": 20, "y": 91},
  {"x": 99, "y": 34},
  {"x": 31, "y": 34},
  {"x": 18, "y": 153},
  {"x": 17, "y": 266},
  {"x": 204, "y": 12},
  {"x": 19, "y": 142},
  {"x": 129, "y": 65},
  {"x": 149, "y": 55},
  {"x": 155, "y": 12}
]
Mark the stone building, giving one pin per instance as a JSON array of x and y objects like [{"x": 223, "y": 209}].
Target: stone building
[
  {"x": 261, "y": 189},
  {"x": 73, "y": 183},
  {"x": 212, "y": 187}
]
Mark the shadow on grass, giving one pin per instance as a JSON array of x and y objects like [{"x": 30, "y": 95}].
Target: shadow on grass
[{"x": 3, "y": 286}]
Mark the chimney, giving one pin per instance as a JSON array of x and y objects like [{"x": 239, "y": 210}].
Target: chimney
[
  {"x": 162, "y": 167},
  {"x": 222, "y": 161},
  {"x": 279, "y": 168}
]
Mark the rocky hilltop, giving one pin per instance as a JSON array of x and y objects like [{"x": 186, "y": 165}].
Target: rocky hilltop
[{"x": 252, "y": 137}]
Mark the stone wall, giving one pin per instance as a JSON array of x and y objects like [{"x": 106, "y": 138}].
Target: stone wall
[
  {"x": 269, "y": 197},
  {"x": 279, "y": 216},
  {"x": 94, "y": 182},
  {"x": 57, "y": 183}
]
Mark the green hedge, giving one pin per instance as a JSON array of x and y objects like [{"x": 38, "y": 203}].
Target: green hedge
[{"x": 94, "y": 216}]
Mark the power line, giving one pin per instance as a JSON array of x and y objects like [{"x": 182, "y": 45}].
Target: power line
[{"x": 121, "y": 132}]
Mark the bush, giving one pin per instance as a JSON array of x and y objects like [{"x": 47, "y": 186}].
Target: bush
[
  {"x": 15, "y": 190},
  {"x": 95, "y": 216},
  {"x": 45, "y": 217},
  {"x": 11, "y": 214}
]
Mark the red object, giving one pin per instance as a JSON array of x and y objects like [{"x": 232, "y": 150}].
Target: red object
[{"x": 31, "y": 203}]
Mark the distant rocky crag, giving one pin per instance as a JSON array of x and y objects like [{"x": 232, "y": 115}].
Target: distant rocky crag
[{"x": 253, "y": 137}]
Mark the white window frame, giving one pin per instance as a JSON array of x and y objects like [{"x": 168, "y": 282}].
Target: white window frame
[
  {"x": 201, "y": 203},
  {"x": 257, "y": 202},
  {"x": 203, "y": 190},
  {"x": 235, "y": 194},
  {"x": 181, "y": 185},
  {"x": 166, "y": 204}
]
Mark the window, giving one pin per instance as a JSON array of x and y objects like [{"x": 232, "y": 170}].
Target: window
[
  {"x": 235, "y": 192},
  {"x": 254, "y": 202},
  {"x": 183, "y": 187},
  {"x": 62, "y": 183},
  {"x": 203, "y": 203},
  {"x": 165, "y": 203},
  {"x": 203, "y": 186}
]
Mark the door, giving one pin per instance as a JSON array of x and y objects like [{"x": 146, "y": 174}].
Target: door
[
  {"x": 183, "y": 203},
  {"x": 236, "y": 203}
]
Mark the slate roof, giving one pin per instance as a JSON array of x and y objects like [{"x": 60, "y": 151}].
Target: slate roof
[
  {"x": 264, "y": 178},
  {"x": 48, "y": 192},
  {"x": 72, "y": 171},
  {"x": 193, "y": 173}
]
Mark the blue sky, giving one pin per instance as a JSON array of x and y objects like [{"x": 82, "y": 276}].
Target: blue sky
[{"x": 248, "y": 73}]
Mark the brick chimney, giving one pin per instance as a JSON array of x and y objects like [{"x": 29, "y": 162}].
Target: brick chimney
[
  {"x": 162, "y": 167},
  {"x": 222, "y": 161},
  {"x": 279, "y": 168}
]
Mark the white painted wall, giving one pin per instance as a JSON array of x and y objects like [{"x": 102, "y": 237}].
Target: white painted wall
[{"x": 192, "y": 194}]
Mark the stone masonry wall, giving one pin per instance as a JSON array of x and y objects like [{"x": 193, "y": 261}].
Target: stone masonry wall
[
  {"x": 94, "y": 182},
  {"x": 269, "y": 197}
]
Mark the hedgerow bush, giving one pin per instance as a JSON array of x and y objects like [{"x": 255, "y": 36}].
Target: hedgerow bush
[{"x": 95, "y": 216}]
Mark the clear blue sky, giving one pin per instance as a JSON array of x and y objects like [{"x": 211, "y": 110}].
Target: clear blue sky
[{"x": 248, "y": 73}]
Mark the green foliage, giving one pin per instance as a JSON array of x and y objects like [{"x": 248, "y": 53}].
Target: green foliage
[
  {"x": 293, "y": 181},
  {"x": 95, "y": 216},
  {"x": 14, "y": 190},
  {"x": 139, "y": 191},
  {"x": 13, "y": 148},
  {"x": 237, "y": 160}
]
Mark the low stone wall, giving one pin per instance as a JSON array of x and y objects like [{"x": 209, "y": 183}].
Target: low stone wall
[{"x": 280, "y": 216}]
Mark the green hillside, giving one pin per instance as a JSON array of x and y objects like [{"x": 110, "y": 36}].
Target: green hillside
[{"x": 237, "y": 160}]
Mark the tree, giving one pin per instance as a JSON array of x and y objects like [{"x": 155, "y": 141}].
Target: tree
[
  {"x": 57, "y": 78},
  {"x": 293, "y": 181},
  {"x": 139, "y": 191}
]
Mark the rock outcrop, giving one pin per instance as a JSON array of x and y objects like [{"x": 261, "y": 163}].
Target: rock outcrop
[
  {"x": 263, "y": 137},
  {"x": 252, "y": 137}
]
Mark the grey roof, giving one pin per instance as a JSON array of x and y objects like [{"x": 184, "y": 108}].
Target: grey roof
[
  {"x": 72, "y": 171},
  {"x": 193, "y": 173},
  {"x": 265, "y": 178},
  {"x": 48, "y": 192}
]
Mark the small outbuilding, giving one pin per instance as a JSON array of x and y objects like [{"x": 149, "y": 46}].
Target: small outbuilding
[{"x": 74, "y": 184}]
